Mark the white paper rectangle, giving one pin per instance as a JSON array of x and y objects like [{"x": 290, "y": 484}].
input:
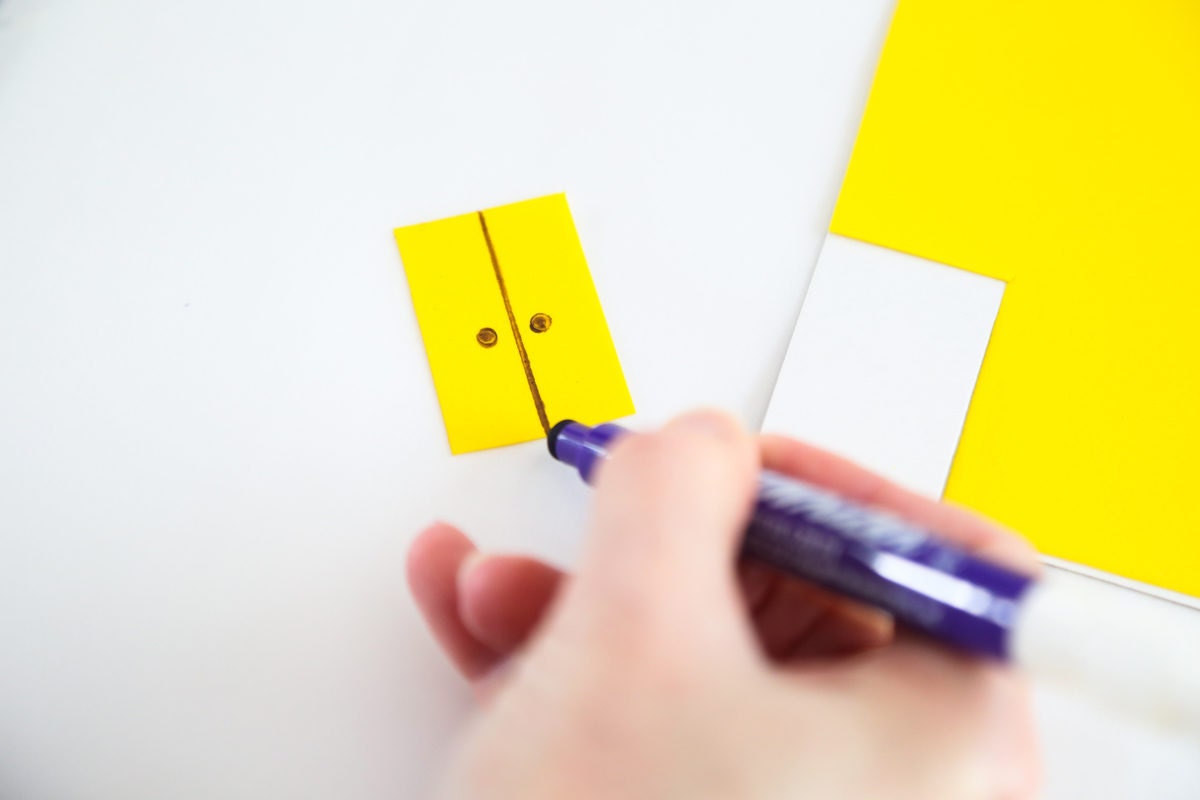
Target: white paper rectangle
[{"x": 884, "y": 359}]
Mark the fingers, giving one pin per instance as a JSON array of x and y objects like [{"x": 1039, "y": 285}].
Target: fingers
[
  {"x": 480, "y": 608},
  {"x": 786, "y": 615},
  {"x": 501, "y": 599},
  {"x": 795, "y": 619},
  {"x": 757, "y": 581},
  {"x": 845, "y": 628},
  {"x": 434, "y": 560},
  {"x": 955, "y": 524}
]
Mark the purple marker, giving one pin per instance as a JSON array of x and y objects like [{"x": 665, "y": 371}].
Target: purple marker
[{"x": 858, "y": 552}]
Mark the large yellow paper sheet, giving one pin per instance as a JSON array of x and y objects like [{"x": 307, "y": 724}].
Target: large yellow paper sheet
[
  {"x": 513, "y": 329},
  {"x": 1056, "y": 145}
]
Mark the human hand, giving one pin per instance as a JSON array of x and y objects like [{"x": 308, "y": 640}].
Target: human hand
[{"x": 663, "y": 669}]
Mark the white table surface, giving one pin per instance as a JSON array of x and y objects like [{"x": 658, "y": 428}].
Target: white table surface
[{"x": 217, "y": 428}]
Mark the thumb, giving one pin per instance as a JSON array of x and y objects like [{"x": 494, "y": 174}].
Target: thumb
[{"x": 670, "y": 511}]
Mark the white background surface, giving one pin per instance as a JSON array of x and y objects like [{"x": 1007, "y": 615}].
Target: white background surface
[{"x": 217, "y": 429}]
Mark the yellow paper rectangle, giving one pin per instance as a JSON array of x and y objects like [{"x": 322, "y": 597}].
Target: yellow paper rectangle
[
  {"x": 1054, "y": 145},
  {"x": 519, "y": 272}
]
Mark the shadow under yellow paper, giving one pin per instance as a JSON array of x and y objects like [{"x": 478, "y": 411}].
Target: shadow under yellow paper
[
  {"x": 1057, "y": 146},
  {"x": 513, "y": 329}
]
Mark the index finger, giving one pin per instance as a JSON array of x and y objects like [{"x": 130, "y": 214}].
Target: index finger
[{"x": 953, "y": 523}]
